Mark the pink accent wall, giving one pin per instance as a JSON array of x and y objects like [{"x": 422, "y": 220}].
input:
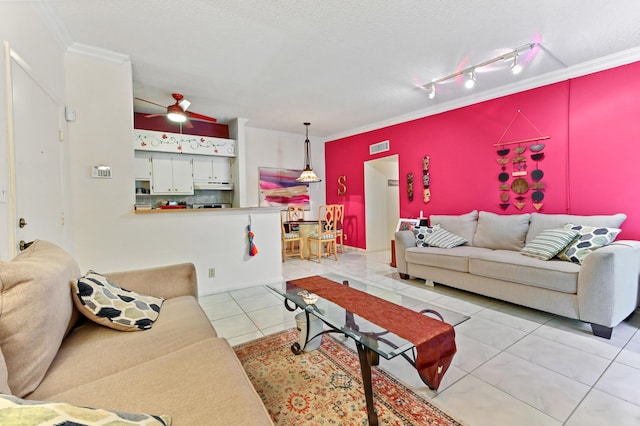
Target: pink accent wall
[{"x": 590, "y": 165}]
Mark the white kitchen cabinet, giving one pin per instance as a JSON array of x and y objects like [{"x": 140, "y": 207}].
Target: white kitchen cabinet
[
  {"x": 211, "y": 169},
  {"x": 171, "y": 175},
  {"x": 142, "y": 166}
]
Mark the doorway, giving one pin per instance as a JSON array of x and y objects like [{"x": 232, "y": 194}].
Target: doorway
[
  {"x": 382, "y": 201},
  {"x": 36, "y": 196}
]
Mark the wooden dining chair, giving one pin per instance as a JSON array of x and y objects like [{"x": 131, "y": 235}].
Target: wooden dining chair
[
  {"x": 289, "y": 241},
  {"x": 340, "y": 226},
  {"x": 325, "y": 235},
  {"x": 295, "y": 213}
]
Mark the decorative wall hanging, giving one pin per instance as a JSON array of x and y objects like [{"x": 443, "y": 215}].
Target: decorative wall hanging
[
  {"x": 520, "y": 184},
  {"x": 278, "y": 187},
  {"x": 342, "y": 185},
  {"x": 410, "y": 186},
  {"x": 426, "y": 179}
]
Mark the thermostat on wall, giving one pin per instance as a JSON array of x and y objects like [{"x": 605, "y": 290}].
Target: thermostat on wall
[{"x": 103, "y": 172}]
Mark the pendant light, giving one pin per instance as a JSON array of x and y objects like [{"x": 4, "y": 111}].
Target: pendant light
[{"x": 307, "y": 175}]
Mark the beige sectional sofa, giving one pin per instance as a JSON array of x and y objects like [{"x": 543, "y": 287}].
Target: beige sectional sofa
[
  {"x": 603, "y": 290},
  {"x": 179, "y": 367}
]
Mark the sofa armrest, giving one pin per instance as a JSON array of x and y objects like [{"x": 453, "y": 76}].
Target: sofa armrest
[
  {"x": 608, "y": 283},
  {"x": 164, "y": 281},
  {"x": 404, "y": 240}
]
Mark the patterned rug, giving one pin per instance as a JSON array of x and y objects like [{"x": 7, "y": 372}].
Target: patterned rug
[{"x": 324, "y": 387}]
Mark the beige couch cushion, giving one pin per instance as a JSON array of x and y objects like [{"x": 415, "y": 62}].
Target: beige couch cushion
[
  {"x": 501, "y": 232},
  {"x": 542, "y": 221},
  {"x": 508, "y": 265},
  {"x": 92, "y": 351},
  {"x": 201, "y": 384},
  {"x": 4, "y": 386},
  {"x": 456, "y": 259},
  {"x": 463, "y": 225},
  {"x": 32, "y": 283}
]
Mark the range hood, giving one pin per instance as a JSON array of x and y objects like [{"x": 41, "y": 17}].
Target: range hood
[{"x": 221, "y": 186}]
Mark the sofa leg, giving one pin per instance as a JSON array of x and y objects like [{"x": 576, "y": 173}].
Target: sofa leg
[
  {"x": 403, "y": 276},
  {"x": 601, "y": 331}
]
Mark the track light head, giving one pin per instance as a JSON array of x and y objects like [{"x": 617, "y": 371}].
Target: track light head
[
  {"x": 470, "y": 79},
  {"x": 516, "y": 68},
  {"x": 431, "y": 90}
]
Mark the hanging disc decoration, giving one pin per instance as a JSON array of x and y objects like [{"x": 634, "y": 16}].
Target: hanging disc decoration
[
  {"x": 537, "y": 174},
  {"x": 503, "y": 177},
  {"x": 537, "y": 196}
]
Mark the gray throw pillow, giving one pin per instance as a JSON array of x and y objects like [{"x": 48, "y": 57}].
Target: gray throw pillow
[
  {"x": 463, "y": 225},
  {"x": 501, "y": 232}
]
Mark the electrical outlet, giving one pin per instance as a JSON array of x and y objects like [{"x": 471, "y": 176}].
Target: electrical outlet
[{"x": 212, "y": 272}]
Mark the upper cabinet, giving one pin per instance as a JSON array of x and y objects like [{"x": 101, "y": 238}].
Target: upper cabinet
[
  {"x": 150, "y": 140},
  {"x": 171, "y": 175},
  {"x": 211, "y": 169},
  {"x": 142, "y": 166}
]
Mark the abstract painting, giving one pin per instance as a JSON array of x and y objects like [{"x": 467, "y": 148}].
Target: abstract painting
[{"x": 278, "y": 187}]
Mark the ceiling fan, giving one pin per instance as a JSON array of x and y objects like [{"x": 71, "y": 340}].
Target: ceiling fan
[{"x": 178, "y": 112}]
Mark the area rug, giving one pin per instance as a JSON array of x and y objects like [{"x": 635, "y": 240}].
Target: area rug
[{"x": 324, "y": 387}]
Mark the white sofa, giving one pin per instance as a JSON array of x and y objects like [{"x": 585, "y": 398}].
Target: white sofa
[{"x": 603, "y": 290}]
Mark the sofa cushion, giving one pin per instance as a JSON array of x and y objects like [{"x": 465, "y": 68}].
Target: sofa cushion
[
  {"x": 437, "y": 236},
  {"x": 30, "y": 330},
  {"x": 501, "y": 232},
  {"x": 463, "y": 225},
  {"x": 548, "y": 243},
  {"x": 80, "y": 358},
  {"x": 590, "y": 238},
  {"x": 105, "y": 303},
  {"x": 454, "y": 260},
  {"x": 509, "y": 265},
  {"x": 14, "y": 410},
  {"x": 201, "y": 384},
  {"x": 542, "y": 221},
  {"x": 4, "y": 385}
]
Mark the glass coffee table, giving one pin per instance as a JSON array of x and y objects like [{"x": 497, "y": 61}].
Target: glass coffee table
[{"x": 372, "y": 341}]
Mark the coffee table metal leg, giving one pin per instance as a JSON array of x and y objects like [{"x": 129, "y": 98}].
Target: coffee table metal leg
[{"x": 368, "y": 358}]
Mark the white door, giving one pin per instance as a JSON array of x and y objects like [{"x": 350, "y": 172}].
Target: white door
[{"x": 38, "y": 175}]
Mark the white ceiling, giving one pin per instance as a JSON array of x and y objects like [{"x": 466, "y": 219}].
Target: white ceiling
[{"x": 340, "y": 64}]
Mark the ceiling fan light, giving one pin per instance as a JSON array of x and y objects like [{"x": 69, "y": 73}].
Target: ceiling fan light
[{"x": 175, "y": 113}]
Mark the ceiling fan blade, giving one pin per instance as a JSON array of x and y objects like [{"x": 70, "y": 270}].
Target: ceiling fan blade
[
  {"x": 152, "y": 103},
  {"x": 196, "y": 116},
  {"x": 188, "y": 124},
  {"x": 154, "y": 115}
]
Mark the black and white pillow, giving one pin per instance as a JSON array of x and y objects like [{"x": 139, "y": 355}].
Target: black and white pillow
[{"x": 103, "y": 302}]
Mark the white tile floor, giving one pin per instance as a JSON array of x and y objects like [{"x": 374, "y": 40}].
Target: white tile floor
[{"x": 514, "y": 366}]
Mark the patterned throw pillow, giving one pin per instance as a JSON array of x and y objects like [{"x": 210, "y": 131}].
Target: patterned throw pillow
[
  {"x": 437, "y": 236},
  {"x": 14, "y": 410},
  {"x": 420, "y": 232},
  {"x": 105, "y": 303},
  {"x": 589, "y": 239},
  {"x": 548, "y": 243}
]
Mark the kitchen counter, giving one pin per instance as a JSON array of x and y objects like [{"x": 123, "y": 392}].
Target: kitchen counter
[{"x": 208, "y": 209}]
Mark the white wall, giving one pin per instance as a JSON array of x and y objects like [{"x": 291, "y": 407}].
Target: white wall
[
  {"x": 267, "y": 148},
  {"x": 109, "y": 236}
]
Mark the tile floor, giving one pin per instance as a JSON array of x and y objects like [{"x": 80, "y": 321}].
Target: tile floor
[{"x": 514, "y": 366}]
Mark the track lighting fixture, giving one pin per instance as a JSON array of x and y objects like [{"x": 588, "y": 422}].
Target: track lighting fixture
[
  {"x": 469, "y": 73},
  {"x": 431, "y": 90},
  {"x": 470, "y": 79},
  {"x": 515, "y": 65}
]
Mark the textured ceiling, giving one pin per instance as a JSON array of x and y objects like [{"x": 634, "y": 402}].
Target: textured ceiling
[{"x": 339, "y": 64}]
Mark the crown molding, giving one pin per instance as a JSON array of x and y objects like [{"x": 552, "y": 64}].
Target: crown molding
[
  {"x": 99, "y": 53},
  {"x": 589, "y": 67}
]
